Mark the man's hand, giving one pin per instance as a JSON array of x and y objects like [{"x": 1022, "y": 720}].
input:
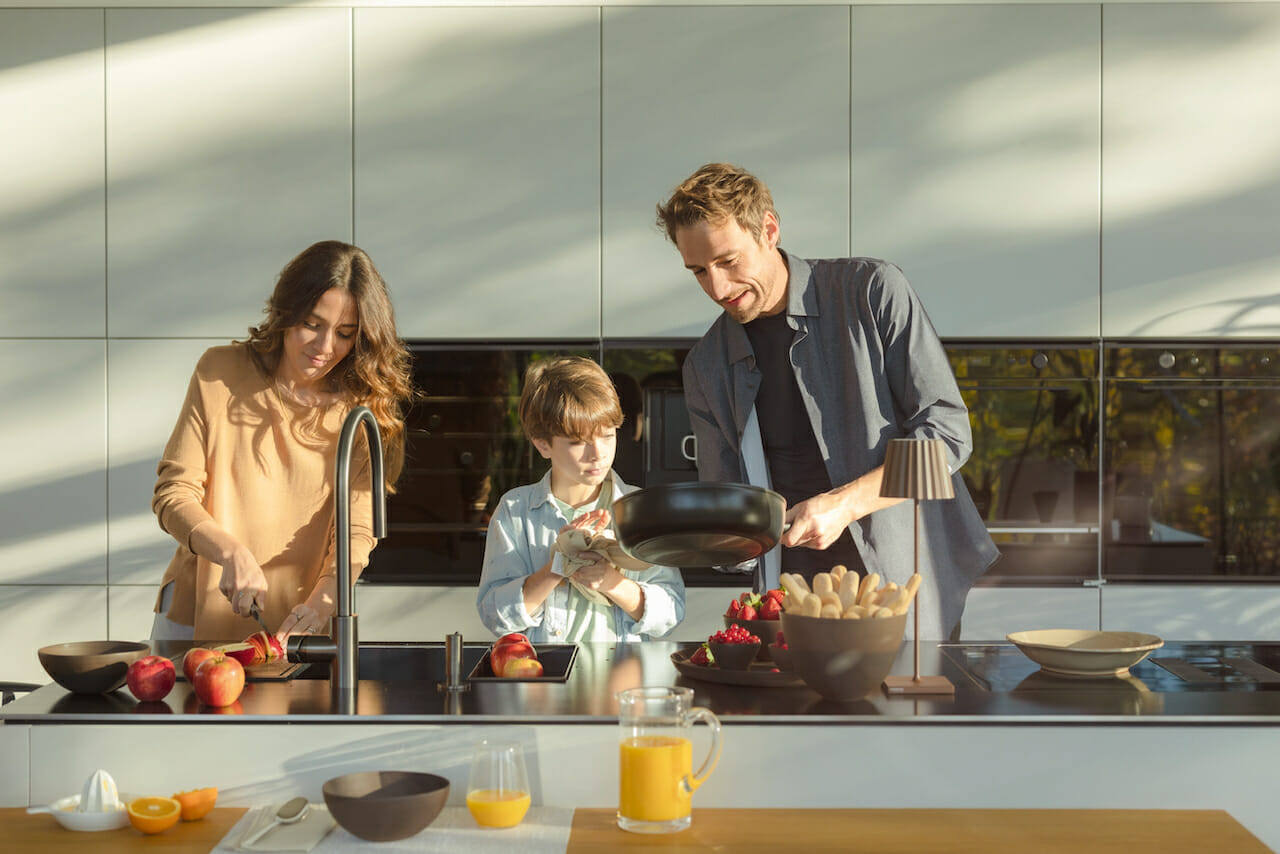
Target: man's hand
[{"x": 817, "y": 523}]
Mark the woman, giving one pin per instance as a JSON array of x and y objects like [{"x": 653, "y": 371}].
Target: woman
[{"x": 246, "y": 482}]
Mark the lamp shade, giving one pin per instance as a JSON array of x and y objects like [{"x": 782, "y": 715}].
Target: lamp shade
[{"x": 916, "y": 468}]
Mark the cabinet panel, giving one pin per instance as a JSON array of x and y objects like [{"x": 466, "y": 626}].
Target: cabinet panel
[
  {"x": 976, "y": 170},
  {"x": 990, "y": 613},
  {"x": 1191, "y": 173},
  {"x": 1193, "y": 611},
  {"x": 130, "y": 610},
  {"x": 40, "y": 616},
  {"x": 477, "y": 168},
  {"x": 228, "y": 152},
  {"x": 147, "y": 382},
  {"x": 53, "y": 485},
  {"x": 52, "y": 261},
  {"x": 764, "y": 87}
]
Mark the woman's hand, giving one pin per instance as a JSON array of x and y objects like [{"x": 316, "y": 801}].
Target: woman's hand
[
  {"x": 243, "y": 582},
  {"x": 311, "y": 616}
]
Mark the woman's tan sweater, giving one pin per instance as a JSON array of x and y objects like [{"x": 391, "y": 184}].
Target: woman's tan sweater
[{"x": 262, "y": 467}]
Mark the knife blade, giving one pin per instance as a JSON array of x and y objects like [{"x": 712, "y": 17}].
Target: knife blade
[{"x": 253, "y": 612}]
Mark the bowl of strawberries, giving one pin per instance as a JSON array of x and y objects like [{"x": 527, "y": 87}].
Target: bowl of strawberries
[{"x": 758, "y": 613}]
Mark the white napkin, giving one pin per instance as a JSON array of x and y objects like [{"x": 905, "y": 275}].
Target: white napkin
[
  {"x": 303, "y": 835},
  {"x": 545, "y": 830}
]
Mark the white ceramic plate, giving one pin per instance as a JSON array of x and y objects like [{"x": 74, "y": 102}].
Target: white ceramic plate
[
  {"x": 64, "y": 810},
  {"x": 1079, "y": 652}
]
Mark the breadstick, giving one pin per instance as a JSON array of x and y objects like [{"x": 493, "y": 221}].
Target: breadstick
[
  {"x": 849, "y": 589},
  {"x": 812, "y": 606},
  {"x": 822, "y": 583},
  {"x": 829, "y": 611},
  {"x": 868, "y": 586},
  {"x": 837, "y": 573},
  {"x": 854, "y": 612}
]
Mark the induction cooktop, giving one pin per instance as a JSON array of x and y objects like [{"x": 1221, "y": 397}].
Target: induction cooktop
[{"x": 1174, "y": 668}]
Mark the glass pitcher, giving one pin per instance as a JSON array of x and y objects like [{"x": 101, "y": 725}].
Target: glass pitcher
[{"x": 656, "y": 780}]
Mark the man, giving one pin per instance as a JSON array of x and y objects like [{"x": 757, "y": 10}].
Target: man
[{"x": 802, "y": 381}]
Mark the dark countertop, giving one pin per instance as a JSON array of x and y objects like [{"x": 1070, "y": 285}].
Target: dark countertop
[{"x": 1226, "y": 683}]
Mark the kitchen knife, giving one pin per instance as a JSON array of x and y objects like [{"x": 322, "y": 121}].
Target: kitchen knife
[{"x": 253, "y": 612}]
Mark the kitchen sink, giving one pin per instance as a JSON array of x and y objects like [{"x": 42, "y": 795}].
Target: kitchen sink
[
  {"x": 398, "y": 662},
  {"x": 387, "y": 661}
]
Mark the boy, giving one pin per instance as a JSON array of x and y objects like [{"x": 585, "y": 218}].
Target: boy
[{"x": 534, "y": 581}]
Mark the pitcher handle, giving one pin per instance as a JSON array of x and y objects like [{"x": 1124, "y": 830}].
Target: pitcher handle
[{"x": 708, "y": 717}]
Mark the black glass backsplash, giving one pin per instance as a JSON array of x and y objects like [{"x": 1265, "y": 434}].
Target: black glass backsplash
[{"x": 1189, "y": 437}]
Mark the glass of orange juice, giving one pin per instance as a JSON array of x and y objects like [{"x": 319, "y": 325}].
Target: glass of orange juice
[
  {"x": 498, "y": 789},
  {"x": 655, "y": 763}
]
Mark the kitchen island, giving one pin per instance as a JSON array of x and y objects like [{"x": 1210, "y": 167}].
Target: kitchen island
[{"x": 1197, "y": 726}]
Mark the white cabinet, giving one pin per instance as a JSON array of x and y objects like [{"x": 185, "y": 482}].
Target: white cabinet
[
  {"x": 975, "y": 161},
  {"x": 51, "y": 208},
  {"x": 53, "y": 485},
  {"x": 146, "y": 383},
  {"x": 42, "y": 615},
  {"x": 477, "y": 168},
  {"x": 1191, "y": 173},
  {"x": 990, "y": 613},
  {"x": 1201, "y": 612},
  {"x": 765, "y": 87},
  {"x": 228, "y": 152}
]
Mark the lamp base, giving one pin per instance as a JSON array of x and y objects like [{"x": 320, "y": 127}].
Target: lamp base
[{"x": 908, "y": 685}]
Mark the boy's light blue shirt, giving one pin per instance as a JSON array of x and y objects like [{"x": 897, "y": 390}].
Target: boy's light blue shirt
[{"x": 524, "y": 525}]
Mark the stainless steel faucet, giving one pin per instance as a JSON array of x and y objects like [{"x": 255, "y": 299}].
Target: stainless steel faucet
[{"x": 341, "y": 646}]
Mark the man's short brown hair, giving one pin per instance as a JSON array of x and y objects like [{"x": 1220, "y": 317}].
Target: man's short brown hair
[
  {"x": 714, "y": 194},
  {"x": 568, "y": 396}
]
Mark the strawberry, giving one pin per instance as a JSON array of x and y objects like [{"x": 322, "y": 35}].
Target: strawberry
[
  {"x": 702, "y": 657},
  {"x": 745, "y": 596},
  {"x": 747, "y": 612},
  {"x": 734, "y": 607},
  {"x": 771, "y": 610},
  {"x": 775, "y": 594}
]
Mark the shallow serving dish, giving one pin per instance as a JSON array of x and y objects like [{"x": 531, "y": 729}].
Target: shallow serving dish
[
  {"x": 64, "y": 810},
  {"x": 1082, "y": 652}
]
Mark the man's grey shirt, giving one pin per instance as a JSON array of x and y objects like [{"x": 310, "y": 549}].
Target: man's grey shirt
[{"x": 870, "y": 368}]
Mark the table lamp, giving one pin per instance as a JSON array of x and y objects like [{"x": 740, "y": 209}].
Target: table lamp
[{"x": 917, "y": 469}]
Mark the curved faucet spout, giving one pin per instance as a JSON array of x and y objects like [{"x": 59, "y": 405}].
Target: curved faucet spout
[{"x": 342, "y": 496}]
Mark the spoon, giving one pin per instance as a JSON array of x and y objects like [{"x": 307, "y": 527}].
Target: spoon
[{"x": 290, "y": 812}]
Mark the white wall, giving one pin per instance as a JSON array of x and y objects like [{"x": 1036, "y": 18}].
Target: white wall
[{"x": 1091, "y": 170}]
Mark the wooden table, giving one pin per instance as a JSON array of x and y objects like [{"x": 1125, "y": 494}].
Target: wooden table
[{"x": 768, "y": 831}]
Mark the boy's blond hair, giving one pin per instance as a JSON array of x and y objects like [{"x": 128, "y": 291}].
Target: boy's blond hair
[
  {"x": 715, "y": 194},
  {"x": 568, "y": 396}
]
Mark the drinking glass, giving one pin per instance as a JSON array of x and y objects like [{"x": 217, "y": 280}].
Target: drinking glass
[{"x": 498, "y": 788}]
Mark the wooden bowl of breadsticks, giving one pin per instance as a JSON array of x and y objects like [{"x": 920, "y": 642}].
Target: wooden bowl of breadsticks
[{"x": 844, "y": 632}]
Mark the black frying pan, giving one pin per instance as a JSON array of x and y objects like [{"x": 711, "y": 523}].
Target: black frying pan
[{"x": 699, "y": 524}]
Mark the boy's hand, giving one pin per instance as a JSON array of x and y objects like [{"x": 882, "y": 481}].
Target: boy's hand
[
  {"x": 595, "y": 521},
  {"x": 599, "y": 575}
]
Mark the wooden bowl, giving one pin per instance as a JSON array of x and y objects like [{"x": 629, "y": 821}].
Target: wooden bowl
[
  {"x": 91, "y": 667},
  {"x": 382, "y": 806},
  {"x": 843, "y": 660}
]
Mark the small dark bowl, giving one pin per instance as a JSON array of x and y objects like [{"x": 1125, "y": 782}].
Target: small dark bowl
[
  {"x": 734, "y": 656},
  {"x": 763, "y": 629},
  {"x": 843, "y": 660},
  {"x": 91, "y": 667},
  {"x": 781, "y": 656},
  {"x": 382, "y": 806}
]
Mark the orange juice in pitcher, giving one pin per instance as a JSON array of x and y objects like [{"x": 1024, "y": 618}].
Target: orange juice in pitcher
[{"x": 655, "y": 760}]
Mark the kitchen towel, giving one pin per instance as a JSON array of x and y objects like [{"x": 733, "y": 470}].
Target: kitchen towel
[
  {"x": 304, "y": 835},
  {"x": 545, "y": 830},
  {"x": 570, "y": 544}
]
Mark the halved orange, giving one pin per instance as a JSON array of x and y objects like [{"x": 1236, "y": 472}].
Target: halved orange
[
  {"x": 196, "y": 803},
  {"x": 154, "y": 814}
]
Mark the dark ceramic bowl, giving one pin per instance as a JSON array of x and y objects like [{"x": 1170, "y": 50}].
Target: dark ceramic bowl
[
  {"x": 382, "y": 806},
  {"x": 843, "y": 660},
  {"x": 734, "y": 656},
  {"x": 781, "y": 656},
  {"x": 763, "y": 629},
  {"x": 91, "y": 667}
]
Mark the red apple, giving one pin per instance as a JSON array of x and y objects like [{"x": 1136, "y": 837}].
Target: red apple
[
  {"x": 522, "y": 668},
  {"x": 505, "y": 652},
  {"x": 151, "y": 677},
  {"x": 193, "y": 659},
  {"x": 268, "y": 646},
  {"x": 513, "y": 637},
  {"x": 219, "y": 681},
  {"x": 245, "y": 653}
]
